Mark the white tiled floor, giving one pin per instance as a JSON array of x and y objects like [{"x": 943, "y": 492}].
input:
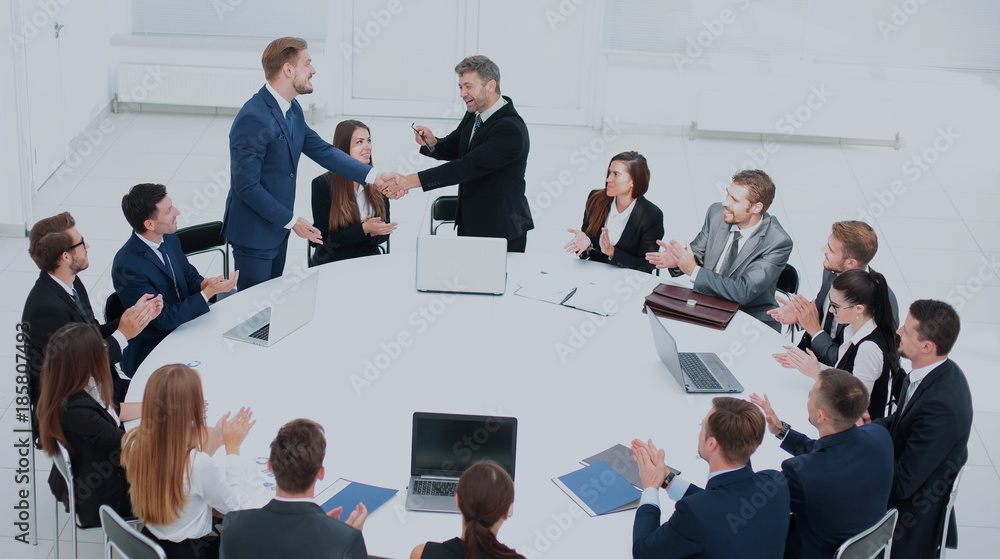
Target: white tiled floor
[{"x": 935, "y": 235}]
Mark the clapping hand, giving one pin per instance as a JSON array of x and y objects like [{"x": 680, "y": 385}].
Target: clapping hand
[
  {"x": 805, "y": 361},
  {"x": 662, "y": 259},
  {"x": 773, "y": 423},
  {"x": 355, "y": 520},
  {"x": 374, "y": 226},
  {"x": 579, "y": 244},
  {"x": 652, "y": 468}
]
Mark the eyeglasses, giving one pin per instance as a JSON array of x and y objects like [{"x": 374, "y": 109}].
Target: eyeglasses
[
  {"x": 836, "y": 307},
  {"x": 72, "y": 248}
]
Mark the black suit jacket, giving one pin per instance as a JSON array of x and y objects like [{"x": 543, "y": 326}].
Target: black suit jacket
[
  {"x": 643, "y": 228},
  {"x": 489, "y": 173},
  {"x": 47, "y": 309},
  {"x": 136, "y": 271},
  {"x": 930, "y": 437},
  {"x": 297, "y": 530},
  {"x": 839, "y": 486},
  {"x": 95, "y": 444},
  {"x": 349, "y": 242},
  {"x": 738, "y": 514}
]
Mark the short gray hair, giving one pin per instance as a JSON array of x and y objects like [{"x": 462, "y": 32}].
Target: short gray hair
[{"x": 481, "y": 65}]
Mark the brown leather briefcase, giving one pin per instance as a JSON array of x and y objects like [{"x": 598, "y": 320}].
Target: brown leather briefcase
[{"x": 681, "y": 303}]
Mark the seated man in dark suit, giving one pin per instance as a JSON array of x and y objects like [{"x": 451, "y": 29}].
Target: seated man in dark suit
[
  {"x": 292, "y": 524},
  {"x": 840, "y": 483},
  {"x": 930, "y": 431},
  {"x": 851, "y": 246},
  {"x": 740, "y": 513},
  {"x": 151, "y": 261},
  {"x": 740, "y": 251},
  {"x": 59, "y": 298}
]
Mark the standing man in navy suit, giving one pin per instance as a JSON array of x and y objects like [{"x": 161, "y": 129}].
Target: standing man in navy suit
[
  {"x": 487, "y": 155},
  {"x": 265, "y": 142},
  {"x": 839, "y": 484},
  {"x": 151, "y": 261},
  {"x": 929, "y": 429},
  {"x": 740, "y": 513}
]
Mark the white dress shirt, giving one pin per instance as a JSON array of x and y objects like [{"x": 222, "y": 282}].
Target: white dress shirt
[
  {"x": 485, "y": 115},
  {"x": 156, "y": 250},
  {"x": 918, "y": 375},
  {"x": 869, "y": 359},
  {"x": 616, "y": 221},
  {"x": 745, "y": 234},
  {"x": 676, "y": 490},
  {"x": 117, "y": 334}
]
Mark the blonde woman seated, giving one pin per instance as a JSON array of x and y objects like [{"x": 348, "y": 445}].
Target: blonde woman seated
[
  {"x": 176, "y": 486},
  {"x": 353, "y": 219},
  {"x": 75, "y": 409},
  {"x": 619, "y": 225},
  {"x": 485, "y": 497}
]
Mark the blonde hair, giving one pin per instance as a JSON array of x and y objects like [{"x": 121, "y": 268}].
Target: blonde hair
[{"x": 157, "y": 454}]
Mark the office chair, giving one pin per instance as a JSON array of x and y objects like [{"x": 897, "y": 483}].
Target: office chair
[
  {"x": 113, "y": 308},
  {"x": 62, "y": 464},
  {"x": 871, "y": 542},
  {"x": 948, "y": 509},
  {"x": 124, "y": 539},
  {"x": 788, "y": 285},
  {"x": 443, "y": 210},
  {"x": 205, "y": 237}
]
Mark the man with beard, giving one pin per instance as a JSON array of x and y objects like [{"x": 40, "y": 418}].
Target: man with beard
[
  {"x": 265, "y": 142},
  {"x": 740, "y": 251},
  {"x": 851, "y": 246},
  {"x": 59, "y": 298}
]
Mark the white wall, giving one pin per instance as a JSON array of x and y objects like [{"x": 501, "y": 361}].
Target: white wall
[{"x": 13, "y": 214}]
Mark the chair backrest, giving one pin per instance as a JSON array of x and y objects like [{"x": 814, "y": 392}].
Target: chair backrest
[
  {"x": 201, "y": 237},
  {"x": 871, "y": 542},
  {"x": 788, "y": 281},
  {"x": 947, "y": 510},
  {"x": 443, "y": 210},
  {"x": 125, "y": 539},
  {"x": 113, "y": 308}
]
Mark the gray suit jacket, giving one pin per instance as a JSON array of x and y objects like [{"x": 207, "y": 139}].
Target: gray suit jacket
[{"x": 761, "y": 259}]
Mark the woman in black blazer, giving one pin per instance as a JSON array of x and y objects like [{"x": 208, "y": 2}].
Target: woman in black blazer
[
  {"x": 349, "y": 229},
  {"x": 619, "y": 225},
  {"x": 75, "y": 409}
]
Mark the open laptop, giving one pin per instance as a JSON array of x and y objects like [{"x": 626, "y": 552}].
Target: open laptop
[
  {"x": 461, "y": 264},
  {"x": 445, "y": 445},
  {"x": 696, "y": 372},
  {"x": 292, "y": 307}
]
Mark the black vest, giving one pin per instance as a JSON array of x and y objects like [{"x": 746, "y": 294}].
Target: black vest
[{"x": 880, "y": 390}]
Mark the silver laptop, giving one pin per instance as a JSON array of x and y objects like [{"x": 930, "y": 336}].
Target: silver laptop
[
  {"x": 292, "y": 307},
  {"x": 445, "y": 445},
  {"x": 696, "y": 372},
  {"x": 461, "y": 264}
]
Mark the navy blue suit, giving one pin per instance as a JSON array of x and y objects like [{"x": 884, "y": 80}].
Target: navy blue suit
[
  {"x": 839, "y": 486},
  {"x": 738, "y": 514},
  {"x": 137, "y": 270},
  {"x": 264, "y": 149}
]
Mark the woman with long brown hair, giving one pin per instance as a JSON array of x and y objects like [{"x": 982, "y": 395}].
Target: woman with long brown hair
[
  {"x": 619, "y": 224},
  {"x": 353, "y": 219},
  {"x": 176, "y": 485},
  {"x": 75, "y": 408},
  {"x": 485, "y": 497}
]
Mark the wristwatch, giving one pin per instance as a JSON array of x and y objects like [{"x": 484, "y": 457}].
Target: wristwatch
[
  {"x": 785, "y": 428},
  {"x": 670, "y": 477}
]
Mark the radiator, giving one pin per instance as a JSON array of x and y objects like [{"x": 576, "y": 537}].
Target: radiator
[{"x": 187, "y": 85}]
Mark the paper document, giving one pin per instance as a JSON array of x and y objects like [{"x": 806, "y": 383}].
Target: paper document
[
  {"x": 599, "y": 489},
  {"x": 569, "y": 291}
]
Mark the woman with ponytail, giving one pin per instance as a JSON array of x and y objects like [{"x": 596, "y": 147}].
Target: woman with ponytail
[
  {"x": 619, "y": 225},
  {"x": 860, "y": 300},
  {"x": 485, "y": 497}
]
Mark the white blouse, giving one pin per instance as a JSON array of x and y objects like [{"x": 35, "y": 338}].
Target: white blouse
[
  {"x": 869, "y": 359},
  {"x": 616, "y": 221}
]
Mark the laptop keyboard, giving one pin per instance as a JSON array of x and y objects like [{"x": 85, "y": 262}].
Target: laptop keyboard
[
  {"x": 262, "y": 332},
  {"x": 434, "y": 488},
  {"x": 700, "y": 376}
]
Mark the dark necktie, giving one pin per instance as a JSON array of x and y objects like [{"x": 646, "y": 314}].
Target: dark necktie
[
  {"x": 289, "y": 120},
  {"x": 475, "y": 128},
  {"x": 79, "y": 305},
  {"x": 170, "y": 269},
  {"x": 828, "y": 322},
  {"x": 902, "y": 395},
  {"x": 730, "y": 260}
]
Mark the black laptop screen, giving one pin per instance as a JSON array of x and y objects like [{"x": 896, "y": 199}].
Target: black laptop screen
[{"x": 447, "y": 444}]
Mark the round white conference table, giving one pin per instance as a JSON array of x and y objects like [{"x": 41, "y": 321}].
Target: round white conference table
[{"x": 578, "y": 383}]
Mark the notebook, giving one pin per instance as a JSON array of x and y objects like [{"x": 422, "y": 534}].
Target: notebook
[
  {"x": 445, "y": 445},
  {"x": 461, "y": 264},
  {"x": 696, "y": 372},
  {"x": 292, "y": 307}
]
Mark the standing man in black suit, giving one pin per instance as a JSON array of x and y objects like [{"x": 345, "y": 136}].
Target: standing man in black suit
[
  {"x": 840, "y": 483},
  {"x": 487, "y": 155},
  {"x": 850, "y": 246},
  {"x": 59, "y": 298},
  {"x": 930, "y": 431},
  {"x": 740, "y": 251},
  {"x": 292, "y": 524}
]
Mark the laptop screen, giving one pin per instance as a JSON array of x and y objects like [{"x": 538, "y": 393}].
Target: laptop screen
[
  {"x": 666, "y": 347},
  {"x": 447, "y": 444}
]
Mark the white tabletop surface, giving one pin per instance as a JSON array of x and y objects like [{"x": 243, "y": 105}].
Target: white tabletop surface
[{"x": 577, "y": 382}]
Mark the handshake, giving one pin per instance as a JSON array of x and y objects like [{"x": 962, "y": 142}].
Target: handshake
[{"x": 395, "y": 185}]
